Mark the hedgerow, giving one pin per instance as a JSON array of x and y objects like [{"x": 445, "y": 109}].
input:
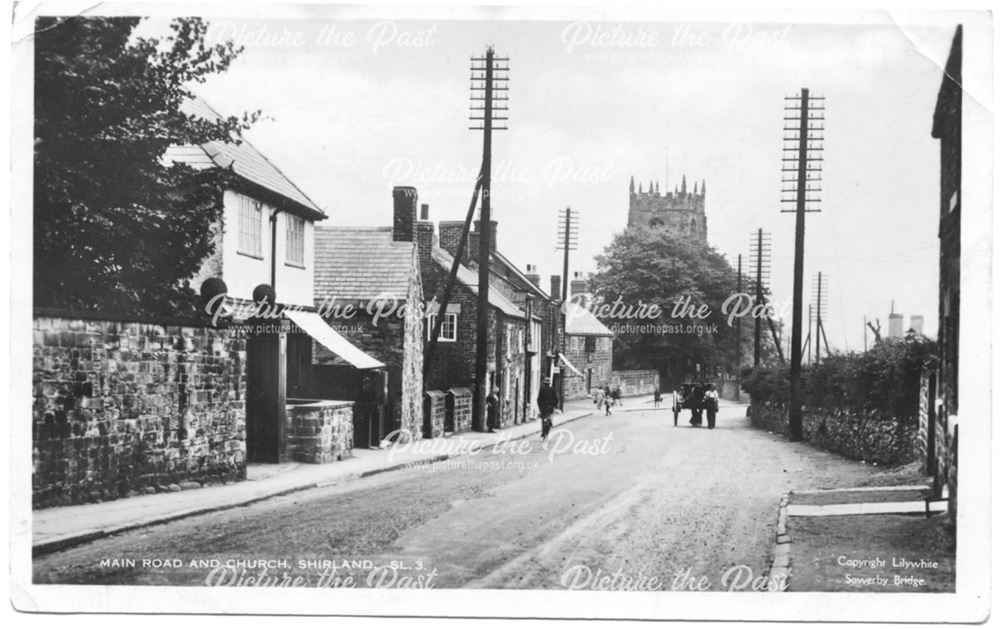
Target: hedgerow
[{"x": 883, "y": 382}]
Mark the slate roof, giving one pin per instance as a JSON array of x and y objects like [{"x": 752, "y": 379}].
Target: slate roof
[
  {"x": 246, "y": 161},
  {"x": 580, "y": 322},
  {"x": 501, "y": 259},
  {"x": 360, "y": 263},
  {"x": 470, "y": 279}
]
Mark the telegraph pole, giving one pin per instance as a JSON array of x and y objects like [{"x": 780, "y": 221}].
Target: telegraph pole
[
  {"x": 739, "y": 320},
  {"x": 820, "y": 311},
  {"x": 760, "y": 257},
  {"x": 569, "y": 221},
  {"x": 488, "y": 79},
  {"x": 802, "y": 139}
]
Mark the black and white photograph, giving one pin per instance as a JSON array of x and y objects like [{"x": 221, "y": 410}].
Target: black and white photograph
[{"x": 426, "y": 311}]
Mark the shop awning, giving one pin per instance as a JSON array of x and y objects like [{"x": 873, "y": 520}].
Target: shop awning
[
  {"x": 313, "y": 325},
  {"x": 569, "y": 365}
]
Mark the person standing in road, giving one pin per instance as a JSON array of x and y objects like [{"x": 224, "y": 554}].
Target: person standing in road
[{"x": 547, "y": 403}]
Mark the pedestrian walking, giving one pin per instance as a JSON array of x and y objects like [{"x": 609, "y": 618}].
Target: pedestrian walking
[
  {"x": 657, "y": 397},
  {"x": 616, "y": 395},
  {"x": 599, "y": 398},
  {"x": 547, "y": 403}
]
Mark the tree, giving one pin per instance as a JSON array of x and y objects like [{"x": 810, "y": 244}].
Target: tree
[
  {"x": 654, "y": 266},
  {"x": 116, "y": 228}
]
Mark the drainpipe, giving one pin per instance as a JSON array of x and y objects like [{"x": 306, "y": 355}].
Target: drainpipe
[{"x": 274, "y": 252}]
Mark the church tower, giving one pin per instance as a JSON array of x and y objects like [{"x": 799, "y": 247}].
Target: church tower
[{"x": 681, "y": 212}]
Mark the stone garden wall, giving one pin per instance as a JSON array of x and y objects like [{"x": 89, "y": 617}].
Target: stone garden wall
[
  {"x": 320, "y": 432},
  {"x": 860, "y": 437},
  {"x": 636, "y": 381},
  {"x": 122, "y": 407}
]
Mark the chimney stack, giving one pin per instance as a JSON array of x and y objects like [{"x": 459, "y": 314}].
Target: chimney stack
[
  {"x": 554, "y": 284},
  {"x": 424, "y": 234},
  {"x": 895, "y": 326},
  {"x": 404, "y": 213},
  {"x": 917, "y": 324},
  {"x": 578, "y": 285},
  {"x": 533, "y": 276},
  {"x": 449, "y": 233},
  {"x": 477, "y": 230}
]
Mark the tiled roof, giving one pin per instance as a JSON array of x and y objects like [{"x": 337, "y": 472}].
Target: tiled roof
[
  {"x": 360, "y": 263},
  {"x": 580, "y": 321},
  {"x": 470, "y": 279},
  {"x": 246, "y": 161}
]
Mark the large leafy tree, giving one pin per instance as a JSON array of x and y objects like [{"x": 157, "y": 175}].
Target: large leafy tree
[
  {"x": 116, "y": 227},
  {"x": 654, "y": 266}
]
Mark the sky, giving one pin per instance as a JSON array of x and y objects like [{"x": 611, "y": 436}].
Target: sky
[{"x": 354, "y": 107}]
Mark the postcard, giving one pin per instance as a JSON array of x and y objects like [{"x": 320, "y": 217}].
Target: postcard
[{"x": 424, "y": 311}]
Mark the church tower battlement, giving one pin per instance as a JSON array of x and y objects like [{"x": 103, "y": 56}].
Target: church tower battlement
[{"x": 681, "y": 212}]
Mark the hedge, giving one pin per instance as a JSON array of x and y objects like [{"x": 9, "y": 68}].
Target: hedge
[{"x": 882, "y": 383}]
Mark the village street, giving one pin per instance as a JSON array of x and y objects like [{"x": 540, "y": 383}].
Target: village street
[{"x": 646, "y": 498}]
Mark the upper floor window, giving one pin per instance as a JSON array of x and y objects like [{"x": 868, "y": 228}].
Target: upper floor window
[
  {"x": 250, "y": 219},
  {"x": 449, "y": 328},
  {"x": 295, "y": 240}
]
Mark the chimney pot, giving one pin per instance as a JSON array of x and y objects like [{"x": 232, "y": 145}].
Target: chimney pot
[
  {"x": 425, "y": 211},
  {"x": 533, "y": 276}
]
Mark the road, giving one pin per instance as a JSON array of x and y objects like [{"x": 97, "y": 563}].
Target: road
[{"x": 628, "y": 497}]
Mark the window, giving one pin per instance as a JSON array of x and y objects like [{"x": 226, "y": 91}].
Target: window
[
  {"x": 295, "y": 240},
  {"x": 590, "y": 344},
  {"x": 535, "y": 336},
  {"x": 251, "y": 216},
  {"x": 449, "y": 329}
]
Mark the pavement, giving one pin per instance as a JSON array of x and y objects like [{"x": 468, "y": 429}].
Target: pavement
[
  {"x": 57, "y": 528},
  {"x": 890, "y": 538}
]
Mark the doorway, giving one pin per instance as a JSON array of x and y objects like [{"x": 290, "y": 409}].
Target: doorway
[{"x": 265, "y": 399}]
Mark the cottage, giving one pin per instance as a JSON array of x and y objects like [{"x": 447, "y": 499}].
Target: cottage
[
  {"x": 262, "y": 273},
  {"x": 453, "y": 364},
  {"x": 367, "y": 287}
]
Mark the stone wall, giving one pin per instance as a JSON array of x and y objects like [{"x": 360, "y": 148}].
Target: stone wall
[
  {"x": 411, "y": 375},
  {"x": 729, "y": 389},
  {"x": 951, "y": 446},
  {"x": 320, "y": 432},
  {"x": 397, "y": 342},
  {"x": 434, "y": 414},
  {"x": 863, "y": 438},
  {"x": 598, "y": 363},
  {"x": 459, "y": 408},
  {"x": 636, "y": 381},
  {"x": 122, "y": 407},
  {"x": 509, "y": 369}
]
